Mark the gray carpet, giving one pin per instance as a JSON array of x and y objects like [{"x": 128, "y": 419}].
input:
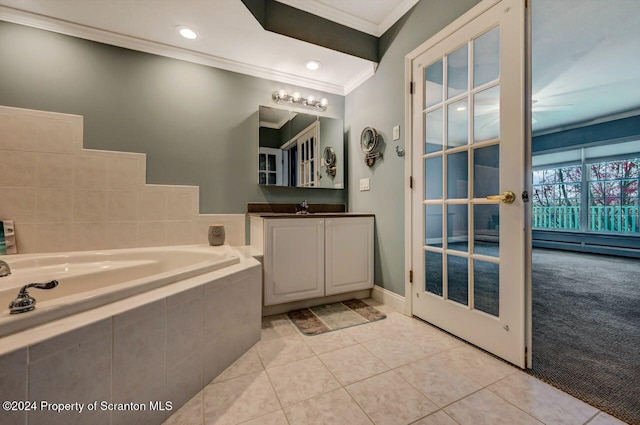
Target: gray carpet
[{"x": 586, "y": 328}]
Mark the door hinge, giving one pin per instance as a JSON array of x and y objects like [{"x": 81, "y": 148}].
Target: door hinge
[
  {"x": 410, "y": 182},
  {"x": 526, "y": 4},
  {"x": 410, "y": 276},
  {"x": 525, "y": 196},
  {"x": 526, "y": 356},
  {"x": 412, "y": 87}
]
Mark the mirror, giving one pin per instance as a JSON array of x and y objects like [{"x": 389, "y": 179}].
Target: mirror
[{"x": 300, "y": 150}]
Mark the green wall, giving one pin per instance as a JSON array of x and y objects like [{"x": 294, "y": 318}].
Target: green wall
[
  {"x": 198, "y": 125},
  {"x": 379, "y": 103}
]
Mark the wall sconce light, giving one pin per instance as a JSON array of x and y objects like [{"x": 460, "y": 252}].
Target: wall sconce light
[{"x": 295, "y": 99}]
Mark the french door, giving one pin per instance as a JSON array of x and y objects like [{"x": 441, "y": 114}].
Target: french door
[{"x": 468, "y": 165}]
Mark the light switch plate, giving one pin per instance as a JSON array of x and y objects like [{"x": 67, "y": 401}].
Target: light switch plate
[
  {"x": 396, "y": 132},
  {"x": 364, "y": 184}
]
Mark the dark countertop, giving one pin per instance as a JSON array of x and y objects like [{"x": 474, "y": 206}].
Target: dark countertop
[{"x": 310, "y": 215}]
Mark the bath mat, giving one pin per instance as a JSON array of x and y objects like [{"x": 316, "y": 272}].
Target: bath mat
[{"x": 331, "y": 317}]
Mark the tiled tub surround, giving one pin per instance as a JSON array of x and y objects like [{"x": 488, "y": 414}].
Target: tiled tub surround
[
  {"x": 66, "y": 198},
  {"x": 163, "y": 345},
  {"x": 88, "y": 279}
]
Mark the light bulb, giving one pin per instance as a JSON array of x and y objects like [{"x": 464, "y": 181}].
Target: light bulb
[
  {"x": 310, "y": 99},
  {"x": 187, "y": 32},
  {"x": 282, "y": 94},
  {"x": 324, "y": 101},
  {"x": 312, "y": 65},
  {"x": 296, "y": 96}
]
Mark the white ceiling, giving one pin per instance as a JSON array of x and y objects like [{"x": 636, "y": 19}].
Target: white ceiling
[
  {"x": 230, "y": 37},
  {"x": 585, "y": 52},
  {"x": 586, "y": 61}
]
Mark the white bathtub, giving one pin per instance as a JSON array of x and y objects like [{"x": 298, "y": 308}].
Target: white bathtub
[{"x": 89, "y": 279}]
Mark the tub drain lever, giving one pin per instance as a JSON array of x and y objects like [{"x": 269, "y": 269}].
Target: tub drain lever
[{"x": 26, "y": 302}]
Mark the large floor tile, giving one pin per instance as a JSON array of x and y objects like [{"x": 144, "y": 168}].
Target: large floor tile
[
  {"x": 189, "y": 414},
  {"x": 277, "y": 326},
  {"x": 353, "y": 364},
  {"x": 301, "y": 380},
  {"x": 542, "y": 401},
  {"x": 273, "y": 418},
  {"x": 479, "y": 366},
  {"x": 438, "y": 381},
  {"x": 329, "y": 341},
  {"x": 438, "y": 418},
  {"x": 333, "y": 408},
  {"x": 394, "y": 352},
  {"x": 369, "y": 331},
  {"x": 284, "y": 350},
  {"x": 604, "y": 419},
  {"x": 238, "y": 400},
  {"x": 429, "y": 339},
  {"x": 247, "y": 364},
  {"x": 486, "y": 408},
  {"x": 390, "y": 400}
]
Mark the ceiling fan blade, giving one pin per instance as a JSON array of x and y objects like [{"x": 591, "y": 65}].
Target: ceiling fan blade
[{"x": 545, "y": 108}]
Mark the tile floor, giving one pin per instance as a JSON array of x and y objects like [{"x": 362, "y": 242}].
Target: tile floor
[{"x": 392, "y": 372}]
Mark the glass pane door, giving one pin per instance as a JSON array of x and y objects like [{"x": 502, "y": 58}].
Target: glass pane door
[{"x": 470, "y": 259}]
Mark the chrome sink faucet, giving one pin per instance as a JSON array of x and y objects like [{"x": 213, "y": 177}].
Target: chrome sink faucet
[
  {"x": 5, "y": 270},
  {"x": 303, "y": 208}
]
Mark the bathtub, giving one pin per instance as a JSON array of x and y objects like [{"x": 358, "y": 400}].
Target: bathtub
[{"x": 89, "y": 279}]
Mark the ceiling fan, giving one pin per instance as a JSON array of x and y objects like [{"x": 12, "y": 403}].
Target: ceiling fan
[{"x": 485, "y": 107}]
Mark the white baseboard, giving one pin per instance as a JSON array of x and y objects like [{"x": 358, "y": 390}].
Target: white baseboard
[{"x": 388, "y": 298}]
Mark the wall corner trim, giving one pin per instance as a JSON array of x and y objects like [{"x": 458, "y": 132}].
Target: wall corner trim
[
  {"x": 363, "y": 76},
  {"x": 388, "y": 298}
]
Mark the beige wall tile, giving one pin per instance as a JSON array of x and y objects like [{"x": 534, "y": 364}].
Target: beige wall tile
[
  {"x": 152, "y": 204},
  {"x": 54, "y": 170},
  {"x": 89, "y": 236},
  {"x": 181, "y": 204},
  {"x": 122, "y": 234},
  {"x": 26, "y": 237},
  {"x": 18, "y": 169},
  {"x": 90, "y": 172},
  {"x": 179, "y": 232},
  {"x": 151, "y": 233},
  {"x": 54, "y": 237},
  {"x": 90, "y": 205},
  {"x": 18, "y": 203},
  {"x": 54, "y": 205},
  {"x": 123, "y": 173},
  {"x": 122, "y": 205}
]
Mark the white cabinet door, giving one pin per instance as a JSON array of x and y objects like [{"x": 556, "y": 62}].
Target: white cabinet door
[
  {"x": 349, "y": 254},
  {"x": 293, "y": 260}
]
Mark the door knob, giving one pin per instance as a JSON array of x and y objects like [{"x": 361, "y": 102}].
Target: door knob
[{"x": 506, "y": 197}]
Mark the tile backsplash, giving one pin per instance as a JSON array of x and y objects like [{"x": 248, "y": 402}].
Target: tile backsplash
[{"x": 66, "y": 198}]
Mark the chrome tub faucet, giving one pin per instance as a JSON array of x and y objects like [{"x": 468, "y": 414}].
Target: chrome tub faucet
[
  {"x": 25, "y": 302},
  {"x": 5, "y": 270}
]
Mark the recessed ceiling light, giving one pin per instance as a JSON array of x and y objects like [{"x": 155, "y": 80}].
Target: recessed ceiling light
[
  {"x": 187, "y": 32},
  {"x": 312, "y": 65}
]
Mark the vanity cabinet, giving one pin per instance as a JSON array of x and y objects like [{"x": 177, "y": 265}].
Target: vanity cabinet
[{"x": 311, "y": 257}]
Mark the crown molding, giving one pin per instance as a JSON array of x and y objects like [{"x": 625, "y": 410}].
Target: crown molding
[
  {"x": 360, "y": 78},
  {"x": 101, "y": 36},
  {"x": 349, "y": 20},
  {"x": 335, "y": 15},
  {"x": 395, "y": 15}
]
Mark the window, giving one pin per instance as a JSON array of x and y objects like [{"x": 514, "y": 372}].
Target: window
[
  {"x": 603, "y": 198},
  {"x": 556, "y": 198},
  {"x": 613, "y": 196}
]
